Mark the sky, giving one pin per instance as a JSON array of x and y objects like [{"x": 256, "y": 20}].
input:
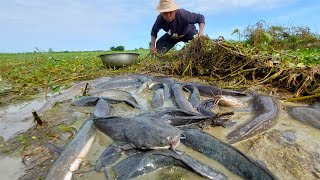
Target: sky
[{"x": 88, "y": 25}]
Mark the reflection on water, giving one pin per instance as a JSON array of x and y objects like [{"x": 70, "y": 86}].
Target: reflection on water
[{"x": 18, "y": 117}]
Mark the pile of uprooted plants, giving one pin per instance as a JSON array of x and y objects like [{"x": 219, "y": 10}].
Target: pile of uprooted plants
[{"x": 232, "y": 65}]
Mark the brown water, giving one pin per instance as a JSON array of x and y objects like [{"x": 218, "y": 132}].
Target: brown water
[
  {"x": 291, "y": 150},
  {"x": 17, "y": 118},
  {"x": 11, "y": 168}
]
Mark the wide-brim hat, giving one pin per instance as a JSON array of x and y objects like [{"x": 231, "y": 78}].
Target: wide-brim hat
[{"x": 167, "y": 6}]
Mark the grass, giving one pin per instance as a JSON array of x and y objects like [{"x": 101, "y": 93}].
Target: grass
[
  {"x": 31, "y": 73},
  {"x": 25, "y": 74}
]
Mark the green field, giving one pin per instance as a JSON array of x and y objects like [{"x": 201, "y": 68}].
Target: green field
[
  {"x": 296, "y": 48},
  {"x": 31, "y": 73}
]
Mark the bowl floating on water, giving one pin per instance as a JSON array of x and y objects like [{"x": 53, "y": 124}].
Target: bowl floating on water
[{"x": 118, "y": 60}]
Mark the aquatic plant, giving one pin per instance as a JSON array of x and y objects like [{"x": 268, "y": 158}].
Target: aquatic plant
[{"x": 235, "y": 64}]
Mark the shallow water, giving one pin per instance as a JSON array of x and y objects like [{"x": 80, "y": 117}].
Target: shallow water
[
  {"x": 291, "y": 150},
  {"x": 17, "y": 118},
  {"x": 11, "y": 168}
]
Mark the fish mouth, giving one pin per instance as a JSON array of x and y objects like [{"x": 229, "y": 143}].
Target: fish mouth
[
  {"x": 229, "y": 101},
  {"x": 174, "y": 142}
]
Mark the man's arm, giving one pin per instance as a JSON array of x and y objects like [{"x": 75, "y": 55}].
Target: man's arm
[
  {"x": 154, "y": 33},
  {"x": 201, "y": 26},
  {"x": 153, "y": 48}
]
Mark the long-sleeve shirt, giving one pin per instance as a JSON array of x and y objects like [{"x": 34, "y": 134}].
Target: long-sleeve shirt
[{"x": 183, "y": 24}]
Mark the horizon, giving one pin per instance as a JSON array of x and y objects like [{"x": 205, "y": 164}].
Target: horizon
[{"x": 69, "y": 25}]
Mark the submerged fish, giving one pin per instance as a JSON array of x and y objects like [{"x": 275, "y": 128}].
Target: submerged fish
[
  {"x": 108, "y": 157},
  {"x": 180, "y": 98},
  {"x": 146, "y": 162},
  {"x": 306, "y": 115},
  {"x": 266, "y": 111},
  {"x": 102, "y": 108},
  {"x": 71, "y": 158},
  {"x": 212, "y": 91},
  {"x": 226, "y": 154}
]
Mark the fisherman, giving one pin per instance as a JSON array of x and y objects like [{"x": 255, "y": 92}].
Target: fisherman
[{"x": 178, "y": 23}]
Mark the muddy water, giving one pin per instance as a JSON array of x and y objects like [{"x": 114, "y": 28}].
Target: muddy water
[
  {"x": 291, "y": 150},
  {"x": 11, "y": 167},
  {"x": 17, "y": 118}
]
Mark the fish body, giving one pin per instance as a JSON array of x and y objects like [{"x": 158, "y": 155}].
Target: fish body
[
  {"x": 144, "y": 86},
  {"x": 115, "y": 94},
  {"x": 92, "y": 101},
  {"x": 306, "y": 115},
  {"x": 180, "y": 98},
  {"x": 194, "y": 95},
  {"x": 166, "y": 89},
  {"x": 109, "y": 156},
  {"x": 177, "y": 117},
  {"x": 212, "y": 91},
  {"x": 158, "y": 98},
  {"x": 163, "y": 80},
  {"x": 142, "y": 133},
  {"x": 146, "y": 162},
  {"x": 205, "y": 107},
  {"x": 73, "y": 155},
  {"x": 227, "y": 155},
  {"x": 266, "y": 110},
  {"x": 102, "y": 108}
]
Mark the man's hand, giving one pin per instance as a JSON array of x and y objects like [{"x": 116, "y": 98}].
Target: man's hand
[
  {"x": 153, "y": 50},
  {"x": 200, "y": 34}
]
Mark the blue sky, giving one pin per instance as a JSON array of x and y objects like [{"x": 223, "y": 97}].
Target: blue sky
[{"x": 79, "y": 25}]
